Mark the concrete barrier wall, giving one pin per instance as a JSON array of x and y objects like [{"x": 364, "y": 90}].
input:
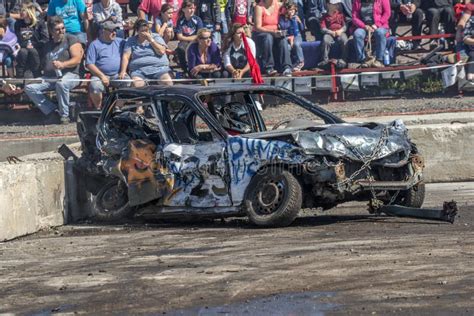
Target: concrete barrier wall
[
  {"x": 448, "y": 150},
  {"x": 31, "y": 197}
]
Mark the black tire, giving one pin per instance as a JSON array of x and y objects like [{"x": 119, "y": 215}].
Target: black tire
[
  {"x": 273, "y": 198},
  {"x": 413, "y": 197},
  {"x": 111, "y": 202}
]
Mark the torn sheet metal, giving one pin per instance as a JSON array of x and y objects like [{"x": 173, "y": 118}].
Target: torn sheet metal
[
  {"x": 200, "y": 172},
  {"x": 356, "y": 142},
  {"x": 447, "y": 214}
]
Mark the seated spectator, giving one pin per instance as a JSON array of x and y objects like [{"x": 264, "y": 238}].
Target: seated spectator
[
  {"x": 108, "y": 10},
  {"x": 210, "y": 14},
  {"x": 144, "y": 55},
  {"x": 63, "y": 54},
  {"x": 468, "y": 39},
  {"x": 204, "y": 57},
  {"x": 32, "y": 36},
  {"x": 186, "y": 30},
  {"x": 103, "y": 60},
  {"x": 371, "y": 16},
  {"x": 8, "y": 46},
  {"x": 235, "y": 56},
  {"x": 314, "y": 11},
  {"x": 164, "y": 23},
  {"x": 15, "y": 7},
  {"x": 437, "y": 11},
  {"x": 467, "y": 13},
  {"x": 268, "y": 39},
  {"x": 74, "y": 15},
  {"x": 290, "y": 24},
  {"x": 333, "y": 26},
  {"x": 407, "y": 11}
]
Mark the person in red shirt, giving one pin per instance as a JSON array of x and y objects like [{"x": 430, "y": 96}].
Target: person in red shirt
[
  {"x": 333, "y": 27},
  {"x": 150, "y": 9}
]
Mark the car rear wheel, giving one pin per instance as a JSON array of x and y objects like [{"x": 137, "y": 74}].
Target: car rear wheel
[
  {"x": 111, "y": 202},
  {"x": 273, "y": 198}
]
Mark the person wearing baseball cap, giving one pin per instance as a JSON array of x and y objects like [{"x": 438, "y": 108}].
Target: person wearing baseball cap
[{"x": 103, "y": 60}]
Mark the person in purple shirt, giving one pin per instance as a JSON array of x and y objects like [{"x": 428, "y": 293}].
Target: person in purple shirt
[
  {"x": 103, "y": 60},
  {"x": 204, "y": 57}
]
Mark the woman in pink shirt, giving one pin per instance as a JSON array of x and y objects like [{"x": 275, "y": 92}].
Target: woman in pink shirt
[
  {"x": 371, "y": 16},
  {"x": 268, "y": 39}
]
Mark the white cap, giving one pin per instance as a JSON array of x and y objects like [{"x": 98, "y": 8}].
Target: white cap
[{"x": 335, "y": 1}]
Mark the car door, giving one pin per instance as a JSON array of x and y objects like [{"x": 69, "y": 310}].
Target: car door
[{"x": 195, "y": 154}]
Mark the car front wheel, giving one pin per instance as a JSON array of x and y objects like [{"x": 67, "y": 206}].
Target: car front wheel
[
  {"x": 111, "y": 202},
  {"x": 413, "y": 197},
  {"x": 273, "y": 198}
]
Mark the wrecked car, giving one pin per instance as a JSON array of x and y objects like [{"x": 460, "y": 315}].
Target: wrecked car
[{"x": 214, "y": 151}]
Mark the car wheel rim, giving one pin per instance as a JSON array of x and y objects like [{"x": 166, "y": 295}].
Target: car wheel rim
[
  {"x": 268, "y": 197},
  {"x": 113, "y": 199}
]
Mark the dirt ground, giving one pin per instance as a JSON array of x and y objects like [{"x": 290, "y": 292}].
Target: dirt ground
[{"x": 341, "y": 262}]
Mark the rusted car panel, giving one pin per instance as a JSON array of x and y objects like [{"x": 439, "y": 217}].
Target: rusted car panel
[{"x": 208, "y": 150}]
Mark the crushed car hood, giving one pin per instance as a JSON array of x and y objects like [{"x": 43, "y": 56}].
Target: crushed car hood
[{"x": 356, "y": 141}]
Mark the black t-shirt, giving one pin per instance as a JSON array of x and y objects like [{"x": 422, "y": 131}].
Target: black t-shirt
[
  {"x": 59, "y": 51},
  {"x": 238, "y": 57}
]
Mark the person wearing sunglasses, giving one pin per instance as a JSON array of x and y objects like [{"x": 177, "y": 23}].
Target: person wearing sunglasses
[
  {"x": 63, "y": 54},
  {"x": 103, "y": 59},
  {"x": 204, "y": 57}
]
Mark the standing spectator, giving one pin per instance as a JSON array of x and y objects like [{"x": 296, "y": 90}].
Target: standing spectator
[
  {"x": 103, "y": 60},
  {"x": 63, "y": 54},
  {"x": 235, "y": 56},
  {"x": 239, "y": 11},
  {"x": 204, "y": 56},
  {"x": 149, "y": 9},
  {"x": 408, "y": 11},
  {"x": 108, "y": 10},
  {"x": 144, "y": 55},
  {"x": 371, "y": 16},
  {"x": 32, "y": 36},
  {"x": 164, "y": 23},
  {"x": 210, "y": 14},
  {"x": 8, "y": 45},
  {"x": 176, "y": 5},
  {"x": 334, "y": 28},
  {"x": 186, "y": 30},
  {"x": 314, "y": 10},
  {"x": 269, "y": 39},
  {"x": 290, "y": 24},
  {"x": 74, "y": 15},
  {"x": 437, "y": 11}
]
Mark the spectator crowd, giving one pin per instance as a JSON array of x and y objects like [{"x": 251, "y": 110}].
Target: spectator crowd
[{"x": 65, "y": 39}]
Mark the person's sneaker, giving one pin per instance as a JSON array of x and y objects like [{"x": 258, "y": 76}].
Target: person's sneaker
[
  {"x": 287, "y": 72},
  {"x": 270, "y": 72},
  {"x": 52, "y": 118},
  {"x": 64, "y": 120},
  {"x": 378, "y": 64},
  {"x": 323, "y": 63},
  {"x": 299, "y": 66},
  {"x": 354, "y": 65},
  {"x": 341, "y": 63}
]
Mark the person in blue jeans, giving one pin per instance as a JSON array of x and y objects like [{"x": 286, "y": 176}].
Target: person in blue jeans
[
  {"x": 371, "y": 17},
  {"x": 63, "y": 54},
  {"x": 290, "y": 23}
]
